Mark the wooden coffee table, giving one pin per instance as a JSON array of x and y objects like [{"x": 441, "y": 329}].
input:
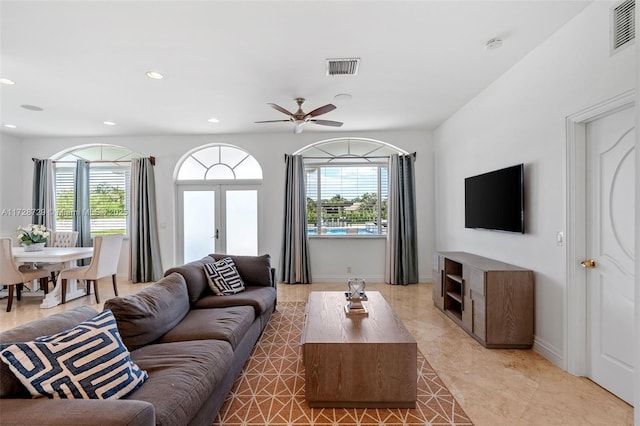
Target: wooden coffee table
[{"x": 357, "y": 361}]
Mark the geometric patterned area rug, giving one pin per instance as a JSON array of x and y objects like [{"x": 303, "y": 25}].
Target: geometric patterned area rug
[{"x": 270, "y": 389}]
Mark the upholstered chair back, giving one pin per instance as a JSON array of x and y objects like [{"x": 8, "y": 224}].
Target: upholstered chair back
[
  {"x": 64, "y": 238},
  {"x": 9, "y": 273},
  {"x": 106, "y": 253}
]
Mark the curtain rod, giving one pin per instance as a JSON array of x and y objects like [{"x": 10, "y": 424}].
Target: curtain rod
[
  {"x": 153, "y": 161},
  {"x": 356, "y": 157}
]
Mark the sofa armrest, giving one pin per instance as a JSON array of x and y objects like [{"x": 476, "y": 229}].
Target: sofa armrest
[
  {"x": 90, "y": 412},
  {"x": 274, "y": 282}
]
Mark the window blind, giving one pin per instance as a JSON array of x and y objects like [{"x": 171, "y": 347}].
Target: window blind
[
  {"x": 108, "y": 199},
  {"x": 347, "y": 199}
]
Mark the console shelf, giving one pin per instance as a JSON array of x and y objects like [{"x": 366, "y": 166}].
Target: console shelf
[
  {"x": 490, "y": 300},
  {"x": 455, "y": 296}
]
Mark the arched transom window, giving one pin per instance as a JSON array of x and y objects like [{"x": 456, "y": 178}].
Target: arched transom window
[
  {"x": 219, "y": 162},
  {"x": 347, "y": 186}
]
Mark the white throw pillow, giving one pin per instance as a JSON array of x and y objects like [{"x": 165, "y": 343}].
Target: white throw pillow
[
  {"x": 223, "y": 277},
  {"x": 88, "y": 361}
]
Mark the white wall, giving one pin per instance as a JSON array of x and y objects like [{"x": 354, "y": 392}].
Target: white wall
[
  {"x": 636, "y": 401},
  {"x": 11, "y": 197},
  {"x": 330, "y": 257},
  {"x": 520, "y": 118}
]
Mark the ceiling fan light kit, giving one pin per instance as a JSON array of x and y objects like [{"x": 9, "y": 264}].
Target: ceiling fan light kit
[{"x": 300, "y": 118}]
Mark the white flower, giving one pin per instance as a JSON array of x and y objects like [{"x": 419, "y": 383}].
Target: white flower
[{"x": 30, "y": 234}]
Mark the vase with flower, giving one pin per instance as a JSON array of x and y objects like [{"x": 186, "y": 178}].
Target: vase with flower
[{"x": 33, "y": 237}]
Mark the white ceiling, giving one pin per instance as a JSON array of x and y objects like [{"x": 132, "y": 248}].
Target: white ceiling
[{"x": 84, "y": 62}]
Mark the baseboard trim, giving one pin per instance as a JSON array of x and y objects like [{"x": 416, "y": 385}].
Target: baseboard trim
[
  {"x": 345, "y": 278},
  {"x": 549, "y": 352}
]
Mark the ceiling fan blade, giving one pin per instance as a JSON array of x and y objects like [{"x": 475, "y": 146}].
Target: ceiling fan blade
[
  {"x": 322, "y": 110},
  {"x": 279, "y": 108},
  {"x": 273, "y": 121},
  {"x": 327, "y": 123}
]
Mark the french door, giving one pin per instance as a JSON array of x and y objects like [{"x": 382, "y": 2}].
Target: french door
[{"x": 216, "y": 218}]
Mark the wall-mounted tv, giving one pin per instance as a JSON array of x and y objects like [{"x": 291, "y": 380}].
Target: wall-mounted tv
[{"x": 495, "y": 200}]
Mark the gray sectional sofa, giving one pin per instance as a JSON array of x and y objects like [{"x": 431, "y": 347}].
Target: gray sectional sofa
[{"x": 192, "y": 344}]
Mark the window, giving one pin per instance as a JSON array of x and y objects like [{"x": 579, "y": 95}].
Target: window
[
  {"x": 109, "y": 188},
  {"x": 347, "y": 187},
  {"x": 219, "y": 162},
  {"x": 347, "y": 199}
]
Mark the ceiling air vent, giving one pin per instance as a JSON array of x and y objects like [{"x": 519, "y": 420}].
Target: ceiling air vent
[
  {"x": 624, "y": 23},
  {"x": 343, "y": 66}
]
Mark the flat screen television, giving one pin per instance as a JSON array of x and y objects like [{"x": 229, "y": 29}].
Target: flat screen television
[{"x": 495, "y": 200}]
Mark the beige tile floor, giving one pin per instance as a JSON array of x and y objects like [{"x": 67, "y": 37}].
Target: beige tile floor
[{"x": 494, "y": 386}]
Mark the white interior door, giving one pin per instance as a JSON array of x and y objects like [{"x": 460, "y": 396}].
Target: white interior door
[
  {"x": 610, "y": 190},
  {"x": 217, "y": 219}
]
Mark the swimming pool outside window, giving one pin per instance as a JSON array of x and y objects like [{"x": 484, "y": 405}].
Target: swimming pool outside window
[{"x": 347, "y": 187}]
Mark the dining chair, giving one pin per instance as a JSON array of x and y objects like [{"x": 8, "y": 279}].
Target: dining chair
[
  {"x": 57, "y": 239},
  {"x": 104, "y": 262},
  {"x": 12, "y": 277},
  {"x": 60, "y": 239},
  {"x": 63, "y": 239}
]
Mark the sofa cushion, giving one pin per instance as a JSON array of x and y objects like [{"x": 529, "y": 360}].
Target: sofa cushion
[
  {"x": 228, "y": 324},
  {"x": 193, "y": 273},
  {"x": 148, "y": 314},
  {"x": 88, "y": 361},
  {"x": 261, "y": 299},
  {"x": 223, "y": 277},
  {"x": 10, "y": 386},
  {"x": 254, "y": 270},
  {"x": 182, "y": 376}
]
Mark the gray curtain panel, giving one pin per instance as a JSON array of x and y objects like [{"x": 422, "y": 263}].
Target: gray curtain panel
[
  {"x": 294, "y": 260},
  {"x": 146, "y": 264},
  {"x": 401, "y": 266},
  {"x": 44, "y": 194},
  {"x": 81, "y": 208}
]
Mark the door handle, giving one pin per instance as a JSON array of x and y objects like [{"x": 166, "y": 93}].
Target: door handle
[{"x": 589, "y": 263}]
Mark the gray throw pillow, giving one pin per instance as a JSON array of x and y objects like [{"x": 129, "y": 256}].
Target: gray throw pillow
[
  {"x": 254, "y": 270},
  {"x": 145, "y": 316}
]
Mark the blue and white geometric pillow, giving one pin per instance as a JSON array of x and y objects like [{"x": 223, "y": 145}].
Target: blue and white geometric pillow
[
  {"x": 88, "y": 361},
  {"x": 223, "y": 277}
]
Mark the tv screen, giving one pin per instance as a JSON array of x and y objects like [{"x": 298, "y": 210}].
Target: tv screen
[{"x": 495, "y": 200}]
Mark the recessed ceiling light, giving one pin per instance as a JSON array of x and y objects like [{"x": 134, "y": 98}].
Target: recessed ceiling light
[
  {"x": 109, "y": 123},
  {"x": 11, "y": 126},
  {"x": 31, "y": 107},
  {"x": 213, "y": 120},
  {"x": 4, "y": 80},
  {"x": 494, "y": 43},
  {"x": 155, "y": 75}
]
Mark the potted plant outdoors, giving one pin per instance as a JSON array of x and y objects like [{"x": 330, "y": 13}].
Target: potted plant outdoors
[{"x": 33, "y": 237}]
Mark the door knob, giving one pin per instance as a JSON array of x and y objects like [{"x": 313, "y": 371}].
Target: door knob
[{"x": 589, "y": 263}]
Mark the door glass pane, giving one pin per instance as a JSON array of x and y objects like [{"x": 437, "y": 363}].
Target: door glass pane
[
  {"x": 199, "y": 224},
  {"x": 242, "y": 222}
]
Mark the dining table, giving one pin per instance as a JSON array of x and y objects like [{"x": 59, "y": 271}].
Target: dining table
[{"x": 68, "y": 256}]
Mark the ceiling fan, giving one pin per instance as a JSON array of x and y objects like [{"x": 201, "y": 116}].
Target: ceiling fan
[{"x": 300, "y": 118}]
